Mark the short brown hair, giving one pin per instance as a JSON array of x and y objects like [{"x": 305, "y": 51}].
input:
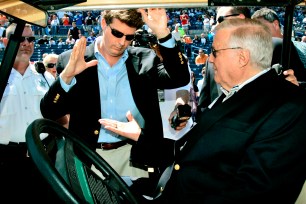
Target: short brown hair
[{"x": 131, "y": 17}]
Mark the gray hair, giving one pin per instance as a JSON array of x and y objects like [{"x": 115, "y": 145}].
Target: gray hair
[
  {"x": 267, "y": 14},
  {"x": 251, "y": 35}
]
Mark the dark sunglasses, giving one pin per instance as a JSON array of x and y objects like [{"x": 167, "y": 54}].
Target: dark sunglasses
[
  {"x": 51, "y": 65},
  {"x": 29, "y": 39},
  {"x": 118, "y": 34},
  {"x": 214, "y": 51},
  {"x": 222, "y": 18}
]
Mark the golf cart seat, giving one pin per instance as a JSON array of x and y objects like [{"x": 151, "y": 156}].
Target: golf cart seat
[{"x": 67, "y": 173}]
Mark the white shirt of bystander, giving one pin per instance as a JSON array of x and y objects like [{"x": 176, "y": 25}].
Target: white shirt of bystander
[{"x": 22, "y": 109}]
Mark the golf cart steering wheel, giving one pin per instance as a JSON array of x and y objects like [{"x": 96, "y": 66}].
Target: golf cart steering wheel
[{"x": 70, "y": 178}]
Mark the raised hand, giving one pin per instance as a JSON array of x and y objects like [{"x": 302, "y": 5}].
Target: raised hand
[
  {"x": 76, "y": 62},
  {"x": 156, "y": 19}
]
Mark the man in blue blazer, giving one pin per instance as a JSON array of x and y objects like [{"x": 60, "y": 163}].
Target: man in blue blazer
[{"x": 117, "y": 80}]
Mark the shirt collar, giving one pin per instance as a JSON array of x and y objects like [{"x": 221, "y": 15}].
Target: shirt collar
[
  {"x": 236, "y": 88},
  {"x": 239, "y": 86},
  {"x": 28, "y": 72}
]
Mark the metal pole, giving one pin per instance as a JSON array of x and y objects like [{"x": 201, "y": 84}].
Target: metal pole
[{"x": 285, "y": 60}]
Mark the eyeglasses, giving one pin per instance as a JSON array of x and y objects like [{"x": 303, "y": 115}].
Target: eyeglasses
[
  {"x": 51, "y": 65},
  {"x": 29, "y": 39},
  {"x": 118, "y": 34},
  {"x": 222, "y": 18},
  {"x": 214, "y": 52}
]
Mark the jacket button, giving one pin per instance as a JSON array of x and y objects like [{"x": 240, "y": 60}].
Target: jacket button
[
  {"x": 177, "y": 167},
  {"x": 96, "y": 132}
]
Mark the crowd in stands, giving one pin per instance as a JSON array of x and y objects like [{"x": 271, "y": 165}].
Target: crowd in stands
[{"x": 191, "y": 27}]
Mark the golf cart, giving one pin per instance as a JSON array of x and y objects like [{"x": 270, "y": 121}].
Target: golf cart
[{"x": 72, "y": 179}]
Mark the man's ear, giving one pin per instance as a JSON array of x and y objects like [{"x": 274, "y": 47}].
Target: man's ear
[
  {"x": 103, "y": 24},
  {"x": 242, "y": 16},
  {"x": 276, "y": 25},
  {"x": 244, "y": 57}
]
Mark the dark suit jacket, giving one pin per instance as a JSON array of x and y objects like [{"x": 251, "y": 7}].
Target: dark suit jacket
[
  {"x": 249, "y": 149},
  {"x": 145, "y": 74}
]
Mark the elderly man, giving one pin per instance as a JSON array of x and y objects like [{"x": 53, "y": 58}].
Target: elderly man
[
  {"x": 210, "y": 89},
  {"x": 236, "y": 152}
]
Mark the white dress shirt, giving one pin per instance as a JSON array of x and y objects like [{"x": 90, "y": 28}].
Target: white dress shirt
[{"x": 20, "y": 104}]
